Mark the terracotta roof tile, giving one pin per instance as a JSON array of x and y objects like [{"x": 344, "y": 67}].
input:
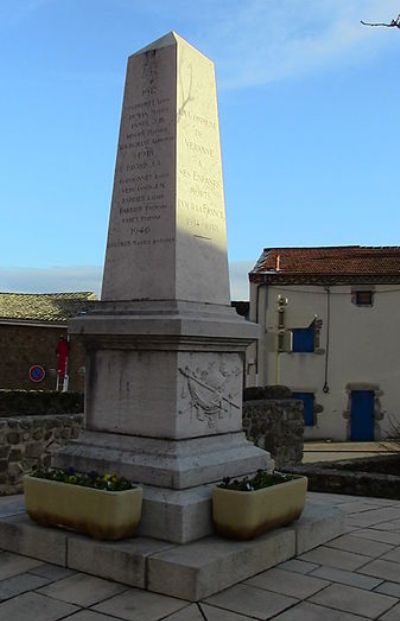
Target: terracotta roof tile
[
  {"x": 53, "y": 307},
  {"x": 329, "y": 261}
]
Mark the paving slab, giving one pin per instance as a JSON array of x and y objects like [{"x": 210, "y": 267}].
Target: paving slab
[
  {"x": 348, "y": 528},
  {"x": 33, "y": 606},
  {"x": 392, "y": 615},
  {"x": 347, "y": 577},
  {"x": 138, "y": 605},
  {"x": 52, "y": 572},
  {"x": 355, "y": 506},
  {"x": 312, "y": 612},
  {"x": 378, "y": 535},
  {"x": 202, "y": 568},
  {"x": 211, "y": 613},
  {"x": 287, "y": 583},
  {"x": 190, "y": 613},
  {"x": 392, "y": 525},
  {"x": 16, "y": 585},
  {"x": 251, "y": 601},
  {"x": 123, "y": 561},
  {"x": 376, "y": 516},
  {"x": 338, "y": 499},
  {"x": 82, "y": 590},
  {"x": 353, "y": 600},
  {"x": 392, "y": 555},
  {"x": 389, "y": 588},
  {"x": 13, "y": 564},
  {"x": 299, "y": 567},
  {"x": 350, "y": 543},
  {"x": 89, "y": 615},
  {"x": 335, "y": 558},
  {"x": 386, "y": 570}
]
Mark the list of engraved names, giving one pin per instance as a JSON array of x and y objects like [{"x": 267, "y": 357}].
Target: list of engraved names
[{"x": 142, "y": 182}]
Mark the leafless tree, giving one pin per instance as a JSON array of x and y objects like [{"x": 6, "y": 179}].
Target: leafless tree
[{"x": 395, "y": 23}]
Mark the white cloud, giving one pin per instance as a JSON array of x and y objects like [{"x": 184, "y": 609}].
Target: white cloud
[
  {"x": 51, "y": 279},
  {"x": 261, "y": 41},
  {"x": 255, "y": 42},
  {"x": 88, "y": 278}
]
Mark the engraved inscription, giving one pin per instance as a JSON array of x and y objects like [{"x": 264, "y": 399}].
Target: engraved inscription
[
  {"x": 201, "y": 201},
  {"x": 142, "y": 197}
]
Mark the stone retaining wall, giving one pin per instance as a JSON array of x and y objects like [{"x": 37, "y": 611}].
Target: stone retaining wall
[
  {"x": 339, "y": 478},
  {"x": 39, "y": 402},
  {"x": 27, "y": 441},
  {"x": 276, "y": 425}
]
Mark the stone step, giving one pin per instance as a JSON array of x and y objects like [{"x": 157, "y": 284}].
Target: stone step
[{"x": 189, "y": 571}]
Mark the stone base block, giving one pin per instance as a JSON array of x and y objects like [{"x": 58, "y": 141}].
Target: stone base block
[
  {"x": 20, "y": 535},
  {"x": 179, "y": 516},
  {"x": 122, "y": 561},
  {"x": 190, "y": 571},
  {"x": 317, "y": 524},
  {"x": 168, "y": 464},
  {"x": 178, "y": 476},
  {"x": 197, "y": 570}
]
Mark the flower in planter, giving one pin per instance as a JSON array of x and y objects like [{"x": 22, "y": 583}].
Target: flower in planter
[
  {"x": 262, "y": 479},
  {"x": 85, "y": 502},
  {"x": 107, "y": 481},
  {"x": 275, "y": 500}
]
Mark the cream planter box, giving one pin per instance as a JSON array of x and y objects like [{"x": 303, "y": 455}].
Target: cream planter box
[
  {"x": 244, "y": 515},
  {"x": 99, "y": 513}
]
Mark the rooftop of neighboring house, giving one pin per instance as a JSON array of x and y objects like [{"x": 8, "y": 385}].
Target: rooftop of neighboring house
[
  {"x": 46, "y": 308},
  {"x": 328, "y": 265}
]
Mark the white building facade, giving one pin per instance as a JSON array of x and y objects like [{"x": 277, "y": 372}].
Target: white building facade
[{"x": 329, "y": 319}]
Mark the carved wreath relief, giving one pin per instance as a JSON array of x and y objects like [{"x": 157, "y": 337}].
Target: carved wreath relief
[{"x": 211, "y": 393}]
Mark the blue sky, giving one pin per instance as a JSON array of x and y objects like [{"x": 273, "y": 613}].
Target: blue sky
[{"x": 309, "y": 112}]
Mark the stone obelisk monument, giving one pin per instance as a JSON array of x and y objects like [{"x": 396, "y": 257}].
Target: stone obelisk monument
[{"x": 165, "y": 349}]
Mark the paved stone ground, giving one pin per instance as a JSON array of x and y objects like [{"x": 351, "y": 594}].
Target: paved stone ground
[
  {"x": 334, "y": 451},
  {"x": 351, "y": 578}
]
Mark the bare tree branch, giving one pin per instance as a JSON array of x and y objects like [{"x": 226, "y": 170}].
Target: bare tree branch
[{"x": 395, "y": 23}]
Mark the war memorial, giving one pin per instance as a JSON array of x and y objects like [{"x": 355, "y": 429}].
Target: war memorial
[{"x": 165, "y": 352}]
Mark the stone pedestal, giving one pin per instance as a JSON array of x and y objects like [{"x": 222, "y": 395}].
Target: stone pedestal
[
  {"x": 165, "y": 349},
  {"x": 164, "y": 407}
]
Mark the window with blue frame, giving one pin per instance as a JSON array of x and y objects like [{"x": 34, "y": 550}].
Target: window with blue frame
[
  {"x": 304, "y": 339},
  {"x": 308, "y": 400}
]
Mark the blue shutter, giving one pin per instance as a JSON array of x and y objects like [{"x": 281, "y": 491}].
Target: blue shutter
[{"x": 303, "y": 339}]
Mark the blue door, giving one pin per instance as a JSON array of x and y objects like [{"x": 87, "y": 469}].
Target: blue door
[
  {"x": 362, "y": 416},
  {"x": 308, "y": 400}
]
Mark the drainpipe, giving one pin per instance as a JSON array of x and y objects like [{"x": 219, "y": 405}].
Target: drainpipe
[
  {"x": 282, "y": 302},
  {"x": 328, "y": 329}
]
